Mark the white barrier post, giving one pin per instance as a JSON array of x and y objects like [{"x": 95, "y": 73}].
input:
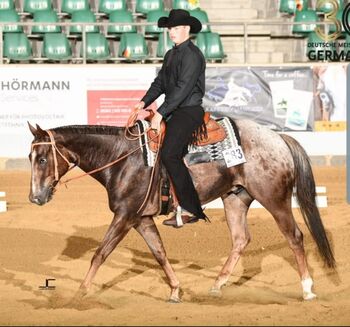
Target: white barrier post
[{"x": 3, "y": 204}]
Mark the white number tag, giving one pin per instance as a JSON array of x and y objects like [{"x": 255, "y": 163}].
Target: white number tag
[{"x": 234, "y": 156}]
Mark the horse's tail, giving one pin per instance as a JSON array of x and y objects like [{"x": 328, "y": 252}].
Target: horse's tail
[{"x": 306, "y": 196}]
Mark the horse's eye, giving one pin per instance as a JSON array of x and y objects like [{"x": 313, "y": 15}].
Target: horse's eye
[{"x": 42, "y": 161}]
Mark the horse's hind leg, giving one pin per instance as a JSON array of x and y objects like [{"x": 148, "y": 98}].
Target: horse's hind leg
[
  {"x": 119, "y": 227},
  {"x": 148, "y": 230},
  {"x": 283, "y": 215},
  {"x": 236, "y": 208}
]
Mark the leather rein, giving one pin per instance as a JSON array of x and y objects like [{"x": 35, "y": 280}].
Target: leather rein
[{"x": 131, "y": 121}]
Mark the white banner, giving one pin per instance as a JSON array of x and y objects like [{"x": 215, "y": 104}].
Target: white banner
[
  {"x": 54, "y": 96},
  {"x": 58, "y": 95}
]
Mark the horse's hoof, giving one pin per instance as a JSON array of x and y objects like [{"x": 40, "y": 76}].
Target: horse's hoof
[
  {"x": 82, "y": 292},
  {"x": 77, "y": 298},
  {"x": 215, "y": 292},
  {"x": 174, "y": 300},
  {"x": 309, "y": 296}
]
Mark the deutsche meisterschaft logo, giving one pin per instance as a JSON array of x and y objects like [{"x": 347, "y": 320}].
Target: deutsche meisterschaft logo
[{"x": 325, "y": 48}]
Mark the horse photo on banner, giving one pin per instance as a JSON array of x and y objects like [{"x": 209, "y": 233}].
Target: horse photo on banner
[
  {"x": 263, "y": 94},
  {"x": 330, "y": 84}
]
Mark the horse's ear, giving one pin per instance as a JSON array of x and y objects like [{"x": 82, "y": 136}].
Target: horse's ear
[
  {"x": 32, "y": 129},
  {"x": 40, "y": 131}
]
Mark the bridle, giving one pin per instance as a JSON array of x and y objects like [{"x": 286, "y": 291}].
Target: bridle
[{"x": 54, "y": 149}]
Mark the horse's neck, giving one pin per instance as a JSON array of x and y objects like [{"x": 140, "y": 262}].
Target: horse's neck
[{"x": 94, "y": 150}]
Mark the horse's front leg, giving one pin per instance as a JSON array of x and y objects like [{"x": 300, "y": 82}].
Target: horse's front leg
[
  {"x": 149, "y": 231},
  {"x": 119, "y": 227}
]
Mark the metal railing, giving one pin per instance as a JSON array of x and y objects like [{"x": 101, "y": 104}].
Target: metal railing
[{"x": 105, "y": 25}]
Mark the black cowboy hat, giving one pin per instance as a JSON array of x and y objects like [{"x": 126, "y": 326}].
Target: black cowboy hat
[{"x": 180, "y": 17}]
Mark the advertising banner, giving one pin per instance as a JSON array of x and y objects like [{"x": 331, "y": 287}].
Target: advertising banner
[
  {"x": 48, "y": 97},
  {"x": 280, "y": 98},
  {"x": 330, "y": 97},
  {"x": 112, "y": 93},
  {"x": 54, "y": 96}
]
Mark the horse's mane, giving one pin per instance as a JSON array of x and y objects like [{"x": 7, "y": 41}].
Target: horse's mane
[{"x": 89, "y": 129}]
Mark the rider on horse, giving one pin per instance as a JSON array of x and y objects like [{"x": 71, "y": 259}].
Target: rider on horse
[{"x": 182, "y": 80}]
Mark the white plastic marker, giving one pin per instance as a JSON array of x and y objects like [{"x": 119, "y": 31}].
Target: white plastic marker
[{"x": 3, "y": 204}]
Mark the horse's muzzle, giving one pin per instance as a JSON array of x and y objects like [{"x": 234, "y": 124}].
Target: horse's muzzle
[
  {"x": 36, "y": 200},
  {"x": 42, "y": 197}
]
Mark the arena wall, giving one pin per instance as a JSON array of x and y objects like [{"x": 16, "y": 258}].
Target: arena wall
[{"x": 57, "y": 95}]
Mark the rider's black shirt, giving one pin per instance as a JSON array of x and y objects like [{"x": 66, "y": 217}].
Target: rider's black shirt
[{"x": 181, "y": 79}]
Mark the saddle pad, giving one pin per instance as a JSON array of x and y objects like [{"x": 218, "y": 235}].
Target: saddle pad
[
  {"x": 196, "y": 154},
  {"x": 148, "y": 155}
]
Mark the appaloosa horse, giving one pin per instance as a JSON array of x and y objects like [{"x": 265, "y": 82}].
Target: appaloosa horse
[{"x": 275, "y": 163}]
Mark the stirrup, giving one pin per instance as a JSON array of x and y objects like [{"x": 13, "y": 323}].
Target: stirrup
[
  {"x": 179, "y": 218},
  {"x": 178, "y": 214}
]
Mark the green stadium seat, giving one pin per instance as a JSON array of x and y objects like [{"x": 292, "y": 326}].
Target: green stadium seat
[
  {"x": 17, "y": 46},
  {"x": 108, "y": 6},
  {"x": 201, "y": 42},
  {"x": 133, "y": 46},
  {"x": 32, "y": 6},
  {"x": 306, "y": 16},
  {"x": 96, "y": 47},
  {"x": 163, "y": 48},
  {"x": 185, "y": 4},
  {"x": 145, "y": 6},
  {"x": 83, "y": 16},
  {"x": 152, "y": 17},
  {"x": 46, "y": 16},
  {"x": 56, "y": 46},
  {"x": 121, "y": 16},
  {"x": 327, "y": 6},
  {"x": 10, "y": 16},
  {"x": 214, "y": 49},
  {"x": 7, "y": 4},
  {"x": 211, "y": 46},
  {"x": 290, "y": 6},
  {"x": 287, "y": 6},
  {"x": 70, "y": 6},
  {"x": 202, "y": 16}
]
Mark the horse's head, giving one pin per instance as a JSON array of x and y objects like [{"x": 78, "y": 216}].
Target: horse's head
[{"x": 49, "y": 162}]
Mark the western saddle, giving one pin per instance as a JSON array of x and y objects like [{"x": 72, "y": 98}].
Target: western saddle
[{"x": 215, "y": 133}]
